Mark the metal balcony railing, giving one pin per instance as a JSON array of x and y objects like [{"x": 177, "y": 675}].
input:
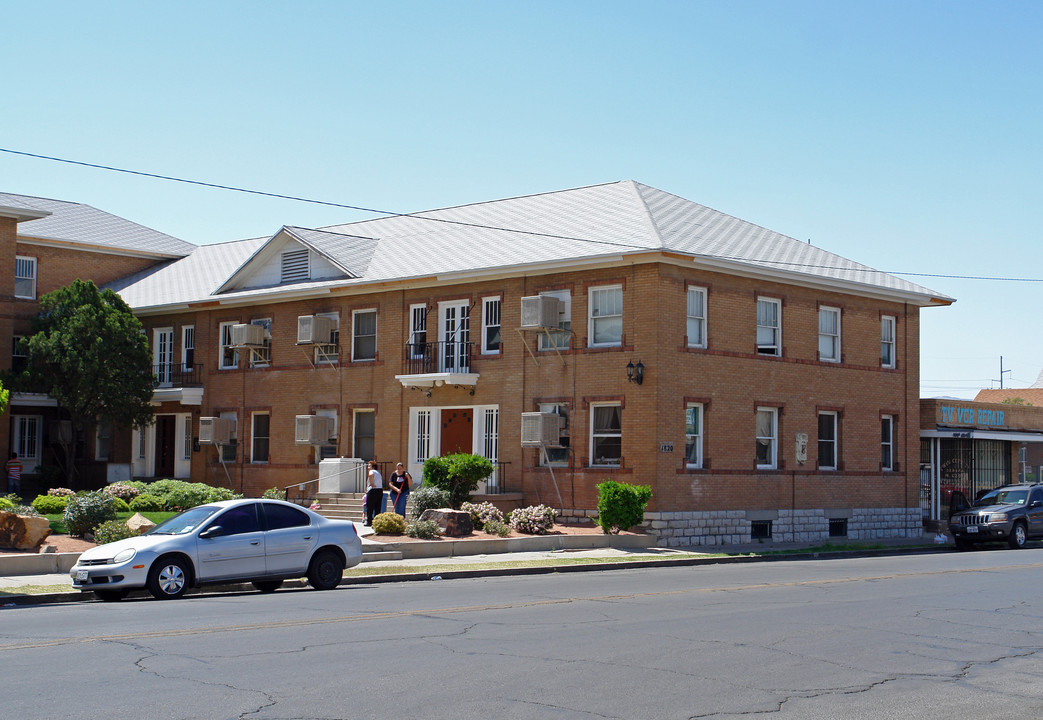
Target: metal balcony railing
[
  {"x": 178, "y": 375},
  {"x": 437, "y": 357}
]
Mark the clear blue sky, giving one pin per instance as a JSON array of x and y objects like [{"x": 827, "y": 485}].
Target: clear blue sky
[{"x": 905, "y": 135}]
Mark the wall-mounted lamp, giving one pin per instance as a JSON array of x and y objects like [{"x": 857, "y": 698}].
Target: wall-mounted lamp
[{"x": 636, "y": 373}]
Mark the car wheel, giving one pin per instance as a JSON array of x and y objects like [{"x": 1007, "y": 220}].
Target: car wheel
[
  {"x": 168, "y": 578},
  {"x": 1018, "y": 536},
  {"x": 110, "y": 595},
  {"x": 267, "y": 586},
  {"x": 326, "y": 570}
]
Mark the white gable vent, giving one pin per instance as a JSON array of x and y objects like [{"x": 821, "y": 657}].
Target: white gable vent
[{"x": 295, "y": 266}]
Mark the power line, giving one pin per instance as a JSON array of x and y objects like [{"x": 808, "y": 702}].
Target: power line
[{"x": 417, "y": 216}]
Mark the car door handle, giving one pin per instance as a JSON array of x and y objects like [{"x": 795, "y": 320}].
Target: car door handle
[
  {"x": 307, "y": 537},
  {"x": 255, "y": 542}
]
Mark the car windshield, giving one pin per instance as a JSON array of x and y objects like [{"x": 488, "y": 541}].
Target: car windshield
[
  {"x": 185, "y": 522},
  {"x": 1004, "y": 497}
]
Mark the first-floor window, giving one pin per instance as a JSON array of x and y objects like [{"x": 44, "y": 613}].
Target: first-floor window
[
  {"x": 27, "y": 440},
  {"x": 827, "y": 441},
  {"x": 557, "y": 455},
  {"x": 887, "y": 442},
  {"x": 423, "y": 436},
  {"x": 365, "y": 434},
  {"x": 103, "y": 441},
  {"x": 767, "y": 438},
  {"x": 186, "y": 439},
  {"x": 228, "y": 451},
  {"x": 693, "y": 435},
  {"x": 606, "y": 434},
  {"x": 259, "y": 437}
]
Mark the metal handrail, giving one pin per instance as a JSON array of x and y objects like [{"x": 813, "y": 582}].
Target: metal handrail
[
  {"x": 422, "y": 358},
  {"x": 177, "y": 375}
]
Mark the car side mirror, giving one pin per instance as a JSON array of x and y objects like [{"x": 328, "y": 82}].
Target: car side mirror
[
  {"x": 212, "y": 532},
  {"x": 1035, "y": 504}
]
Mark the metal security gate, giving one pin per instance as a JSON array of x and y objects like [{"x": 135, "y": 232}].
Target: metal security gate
[{"x": 965, "y": 465}]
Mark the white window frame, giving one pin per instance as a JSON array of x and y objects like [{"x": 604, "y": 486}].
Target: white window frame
[
  {"x": 27, "y": 441},
  {"x": 21, "y": 264},
  {"x": 557, "y": 457},
  {"x": 695, "y": 316},
  {"x": 492, "y": 318},
  {"x": 888, "y": 324},
  {"x": 774, "y": 348},
  {"x": 329, "y": 353},
  {"x": 558, "y": 340},
  {"x": 595, "y": 434},
  {"x": 188, "y": 343},
  {"x": 772, "y": 438},
  {"x": 262, "y": 356},
  {"x": 355, "y": 431},
  {"x": 831, "y": 443},
  {"x": 887, "y": 441},
  {"x": 417, "y": 330},
  {"x": 827, "y": 335},
  {"x": 693, "y": 440},
  {"x": 254, "y": 438},
  {"x": 355, "y": 334},
  {"x": 224, "y": 345},
  {"x": 186, "y": 438},
  {"x": 163, "y": 355},
  {"x": 604, "y": 306}
]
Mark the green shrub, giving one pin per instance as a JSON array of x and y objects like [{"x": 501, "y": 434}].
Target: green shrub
[
  {"x": 146, "y": 502},
  {"x": 26, "y": 510},
  {"x": 497, "y": 527},
  {"x": 482, "y": 513},
  {"x": 534, "y": 520},
  {"x": 274, "y": 494},
  {"x": 389, "y": 523},
  {"x": 423, "y": 529},
  {"x": 111, "y": 531},
  {"x": 88, "y": 511},
  {"x": 50, "y": 504},
  {"x": 428, "y": 497},
  {"x": 217, "y": 494},
  {"x": 459, "y": 474},
  {"x": 5, "y": 504},
  {"x": 12, "y": 498},
  {"x": 140, "y": 486},
  {"x": 621, "y": 506},
  {"x": 61, "y": 492},
  {"x": 121, "y": 505}
]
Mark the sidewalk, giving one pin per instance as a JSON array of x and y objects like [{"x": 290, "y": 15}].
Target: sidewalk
[{"x": 405, "y": 561}]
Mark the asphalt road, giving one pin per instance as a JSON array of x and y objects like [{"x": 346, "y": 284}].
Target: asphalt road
[{"x": 953, "y": 635}]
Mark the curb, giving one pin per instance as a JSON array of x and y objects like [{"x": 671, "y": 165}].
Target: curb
[{"x": 87, "y": 596}]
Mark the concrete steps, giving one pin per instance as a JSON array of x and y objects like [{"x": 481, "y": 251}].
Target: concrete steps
[{"x": 348, "y": 506}]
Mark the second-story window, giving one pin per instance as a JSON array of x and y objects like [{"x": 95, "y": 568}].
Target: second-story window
[
  {"x": 554, "y": 339},
  {"x": 262, "y": 356},
  {"x": 829, "y": 334},
  {"x": 417, "y": 331},
  {"x": 19, "y": 354},
  {"x": 606, "y": 316},
  {"x": 769, "y": 326},
  {"x": 228, "y": 356},
  {"x": 887, "y": 341},
  {"x": 24, "y": 277},
  {"x": 695, "y": 327},
  {"x": 328, "y": 353},
  {"x": 490, "y": 325},
  {"x": 188, "y": 347},
  {"x": 364, "y": 335}
]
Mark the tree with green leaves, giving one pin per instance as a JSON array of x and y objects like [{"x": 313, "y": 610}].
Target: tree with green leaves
[
  {"x": 87, "y": 351},
  {"x": 4, "y": 395}
]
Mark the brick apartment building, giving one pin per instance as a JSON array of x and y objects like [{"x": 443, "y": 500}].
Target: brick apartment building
[
  {"x": 46, "y": 244},
  {"x": 762, "y": 386}
]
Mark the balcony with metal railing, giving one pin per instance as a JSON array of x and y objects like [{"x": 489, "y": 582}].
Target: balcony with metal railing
[
  {"x": 177, "y": 382},
  {"x": 434, "y": 364}
]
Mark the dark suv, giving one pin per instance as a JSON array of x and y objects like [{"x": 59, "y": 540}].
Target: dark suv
[{"x": 1013, "y": 513}]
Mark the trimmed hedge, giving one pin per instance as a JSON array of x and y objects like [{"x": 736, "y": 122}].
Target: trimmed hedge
[{"x": 621, "y": 506}]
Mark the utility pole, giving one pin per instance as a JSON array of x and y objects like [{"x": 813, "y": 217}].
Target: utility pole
[{"x": 1002, "y": 371}]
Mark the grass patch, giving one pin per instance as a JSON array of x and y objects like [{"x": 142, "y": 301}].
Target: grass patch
[
  {"x": 35, "y": 590},
  {"x": 58, "y": 525}
]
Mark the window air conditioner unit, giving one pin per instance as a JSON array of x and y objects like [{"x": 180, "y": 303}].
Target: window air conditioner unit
[
  {"x": 314, "y": 329},
  {"x": 541, "y": 429},
  {"x": 313, "y": 429},
  {"x": 541, "y": 311},
  {"x": 244, "y": 335},
  {"x": 216, "y": 430}
]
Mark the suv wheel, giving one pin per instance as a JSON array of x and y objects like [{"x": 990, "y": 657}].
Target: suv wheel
[{"x": 1018, "y": 536}]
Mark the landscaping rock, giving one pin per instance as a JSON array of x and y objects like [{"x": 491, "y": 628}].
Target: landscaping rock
[
  {"x": 139, "y": 523},
  {"x": 22, "y": 532},
  {"x": 453, "y": 523}
]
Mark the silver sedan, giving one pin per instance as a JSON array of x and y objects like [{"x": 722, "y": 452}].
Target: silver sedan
[{"x": 259, "y": 541}]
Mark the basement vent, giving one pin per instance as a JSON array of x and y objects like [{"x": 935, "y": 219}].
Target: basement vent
[
  {"x": 295, "y": 266},
  {"x": 760, "y": 530},
  {"x": 838, "y": 527}
]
